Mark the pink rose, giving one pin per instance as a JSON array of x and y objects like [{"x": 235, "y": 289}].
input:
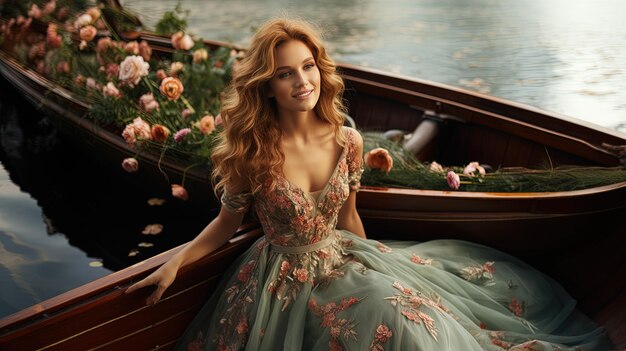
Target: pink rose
[
  {"x": 94, "y": 13},
  {"x": 112, "y": 70},
  {"x": 87, "y": 33},
  {"x": 160, "y": 74},
  {"x": 179, "y": 192},
  {"x": 34, "y": 11},
  {"x": 182, "y": 41},
  {"x": 132, "y": 48},
  {"x": 133, "y": 68},
  {"x": 54, "y": 40},
  {"x": 176, "y": 67},
  {"x": 148, "y": 103},
  {"x": 49, "y": 7},
  {"x": 111, "y": 90},
  {"x": 200, "y": 55},
  {"x": 130, "y": 164},
  {"x": 137, "y": 130},
  {"x": 454, "y": 182},
  {"x": 63, "y": 67},
  {"x": 145, "y": 50},
  {"x": 159, "y": 133},
  {"x": 92, "y": 84},
  {"x": 379, "y": 158},
  {"x": 435, "y": 167},
  {"x": 186, "y": 113},
  {"x": 206, "y": 124},
  {"x": 104, "y": 44},
  {"x": 181, "y": 134},
  {"x": 172, "y": 88},
  {"x": 473, "y": 167},
  {"x": 82, "y": 45}
]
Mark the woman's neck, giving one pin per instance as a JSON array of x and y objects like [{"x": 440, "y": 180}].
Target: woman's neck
[{"x": 301, "y": 126}]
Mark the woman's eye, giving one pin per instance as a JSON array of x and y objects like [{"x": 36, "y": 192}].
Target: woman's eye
[
  {"x": 283, "y": 75},
  {"x": 308, "y": 66}
]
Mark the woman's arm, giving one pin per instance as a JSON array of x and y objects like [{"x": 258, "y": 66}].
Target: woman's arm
[
  {"x": 214, "y": 235},
  {"x": 349, "y": 218}
]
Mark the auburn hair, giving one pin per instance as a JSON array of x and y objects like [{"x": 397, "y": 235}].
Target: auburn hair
[{"x": 248, "y": 153}]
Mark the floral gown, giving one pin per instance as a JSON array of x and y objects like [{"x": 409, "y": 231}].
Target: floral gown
[{"x": 308, "y": 286}]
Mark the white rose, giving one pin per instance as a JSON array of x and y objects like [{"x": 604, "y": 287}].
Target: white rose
[
  {"x": 133, "y": 68},
  {"x": 83, "y": 20}
]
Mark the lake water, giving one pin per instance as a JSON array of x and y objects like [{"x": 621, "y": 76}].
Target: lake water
[
  {"x": 559, "y": 55},
  {"x": 65, "y": 221}
]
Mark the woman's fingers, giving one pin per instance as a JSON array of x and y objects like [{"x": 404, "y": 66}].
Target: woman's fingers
[{"x": 140, "y": 284}]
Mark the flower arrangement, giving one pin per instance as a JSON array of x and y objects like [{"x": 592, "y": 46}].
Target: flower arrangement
[{"x": 170, "y": 104}]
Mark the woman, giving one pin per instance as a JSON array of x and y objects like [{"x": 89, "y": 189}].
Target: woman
[{"x": 314, "y": 281}]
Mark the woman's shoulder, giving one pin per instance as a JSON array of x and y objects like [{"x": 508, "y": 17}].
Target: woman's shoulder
[{"x": 353, "y": 137}]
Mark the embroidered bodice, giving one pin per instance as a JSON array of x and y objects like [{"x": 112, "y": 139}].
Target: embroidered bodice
[{"x": 293, "y": 217}]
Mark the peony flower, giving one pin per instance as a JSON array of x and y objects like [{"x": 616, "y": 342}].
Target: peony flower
[
  {"x": 148, "y": 103},
  {"x": 176, "y": 67},
  {"x": 34, "y": 11},
  {"x": 145, "y": 50},
  {"x": 130, "y": 164},
  {"x": 182, "y": 41},
  {"x": 218, "y": 119},
  {"x": 472, "y": 167},
  {"x": 206, "y": 124},
  {"x": 137, "y": 130},
  {"x": 200, "y": 55},
  {"x": 454, "y": 182},
  {"x": 435, "y": 167},
  {"x": 132, "y": 48},
  {"x": 133, "y": 68},
  {"x": 82, "y": 21},
  {"x": 87, "y": 33},
  {"x": 159, "y": 133},
  {"x": 181, "y": 134},
  {"x": 179, "y": 192},
  {"x": 171, "y": 87},
  {"x": 379, "y": 158},
  {"x": 49, "y": 7}
]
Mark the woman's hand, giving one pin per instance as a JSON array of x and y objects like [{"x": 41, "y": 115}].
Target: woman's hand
[{"x": 162, "y": 278}]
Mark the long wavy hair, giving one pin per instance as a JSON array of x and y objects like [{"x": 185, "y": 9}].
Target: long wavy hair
[{"x": 248, "y": 153}]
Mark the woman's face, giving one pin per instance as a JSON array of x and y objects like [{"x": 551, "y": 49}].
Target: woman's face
[{"x": 296, "y": 82}]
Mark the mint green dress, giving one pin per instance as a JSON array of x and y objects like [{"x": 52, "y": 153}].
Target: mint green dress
[{"x": 307, "y": 286}]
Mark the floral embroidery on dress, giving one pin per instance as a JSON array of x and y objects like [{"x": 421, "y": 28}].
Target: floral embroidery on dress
[
  {"x": 338, "y": 326},
  {"x": 482, "y": 275},
  {"x": 423, "y": 261},
  {"x": 412, "y": 301},
  {"x": 383, "y": 334},
  {"x": 384, "y": 248},
  {"x": 531, "y": 345},
  {"x": 197, "y": 344},
  {"x": 517, "y": 307}
]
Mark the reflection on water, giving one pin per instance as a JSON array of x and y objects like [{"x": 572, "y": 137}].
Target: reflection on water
[
  {"x": 63, "y": 220},
  {"x": 562, "y": 56}
]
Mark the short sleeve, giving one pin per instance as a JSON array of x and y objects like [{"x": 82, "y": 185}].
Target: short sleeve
[
  {"x": 237, "y": 203},
  {"x": 354, "y": 158}
]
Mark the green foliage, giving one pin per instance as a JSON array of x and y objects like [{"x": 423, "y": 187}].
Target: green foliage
[
  {"x": 172, "y": 21},
  {"x": 408, "y": 172}
]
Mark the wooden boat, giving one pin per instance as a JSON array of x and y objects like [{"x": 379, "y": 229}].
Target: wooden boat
[
  {"x": 550, "y": 230},
  {"x": 469, "y": 126}
]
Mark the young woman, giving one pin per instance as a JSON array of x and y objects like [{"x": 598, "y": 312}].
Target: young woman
[{"x": 314, "y": 282}]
